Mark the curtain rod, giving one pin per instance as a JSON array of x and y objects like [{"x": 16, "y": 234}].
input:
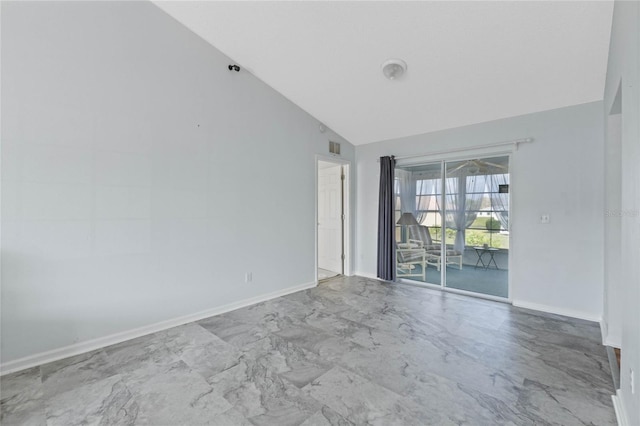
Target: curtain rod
[{"x": 489, "y": 145}]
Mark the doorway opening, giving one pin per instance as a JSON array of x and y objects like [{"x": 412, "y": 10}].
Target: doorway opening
[{"x": 332, "y": 218}]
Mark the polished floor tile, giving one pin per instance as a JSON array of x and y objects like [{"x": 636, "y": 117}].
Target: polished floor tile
[
  {"x": 106, "y": 401},
  {"x": 363, "y": 401},
  {"x": 22, "y": 402},
  {"x": 351, "y": 351}
]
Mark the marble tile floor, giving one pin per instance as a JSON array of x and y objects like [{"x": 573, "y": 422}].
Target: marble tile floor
[{"x": 352, "y": 351}]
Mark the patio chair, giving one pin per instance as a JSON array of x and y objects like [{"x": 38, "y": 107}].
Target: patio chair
[
  {"x": 420, "y": 235},
  {"x": 408, "y": 257}
]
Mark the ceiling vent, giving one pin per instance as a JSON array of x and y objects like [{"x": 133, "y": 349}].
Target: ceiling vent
[{"x": 334, "y": 148}]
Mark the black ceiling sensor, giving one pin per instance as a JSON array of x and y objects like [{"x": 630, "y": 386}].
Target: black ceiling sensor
[{"x": 234, "y": 67}]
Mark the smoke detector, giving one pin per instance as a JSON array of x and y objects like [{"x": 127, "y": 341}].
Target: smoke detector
[{"x": 393, "y": 69}]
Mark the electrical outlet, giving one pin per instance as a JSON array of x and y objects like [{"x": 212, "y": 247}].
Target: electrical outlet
[
  {"x": 248, "y": 277},
  {"x": 545, "y": 218},
  {"x": 632, "y": 382}
]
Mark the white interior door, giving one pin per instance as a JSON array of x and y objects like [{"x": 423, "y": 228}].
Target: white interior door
[{"x": 330, "y": 217}]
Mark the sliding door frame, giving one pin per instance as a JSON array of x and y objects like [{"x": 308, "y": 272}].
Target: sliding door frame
[{"x": 462, "y": 156}]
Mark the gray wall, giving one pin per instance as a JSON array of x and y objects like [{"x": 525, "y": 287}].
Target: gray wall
[
  {"x": 622, "y": 319},
  {"x": 556, "y": 267},
  {"x": 141, "y": 178}
]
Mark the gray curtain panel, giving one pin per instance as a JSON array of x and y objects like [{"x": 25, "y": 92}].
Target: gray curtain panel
[{"x": 386, "y": 220}]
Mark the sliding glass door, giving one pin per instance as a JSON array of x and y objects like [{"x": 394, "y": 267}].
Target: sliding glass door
[
  {"x": 476, "y": 205},
  {"x": 453, "y": 224},
  {"x": 419, "y": 222}
]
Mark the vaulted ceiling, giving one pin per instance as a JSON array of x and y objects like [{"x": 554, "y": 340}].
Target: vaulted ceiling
[{"x": 468, "y": 62}]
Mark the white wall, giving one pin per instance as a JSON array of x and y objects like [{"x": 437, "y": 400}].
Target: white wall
[
  {"x": 141, "y": 178},
  {"x": 613, "y": 285},
  {"x": 624, "y": 57},
  {"x": 557, "y": 267}
]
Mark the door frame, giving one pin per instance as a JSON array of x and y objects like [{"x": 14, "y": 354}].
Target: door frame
[{"x": 346, "y": 205}]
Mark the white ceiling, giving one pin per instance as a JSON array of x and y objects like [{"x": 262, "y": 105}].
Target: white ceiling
[{"x": 468, "y": 62}]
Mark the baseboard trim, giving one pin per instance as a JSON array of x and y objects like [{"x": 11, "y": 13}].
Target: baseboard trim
[
  {"x": 556, "y": 310},
  {"x": 101, "y": 342},
  {"x": 366, "y": 275},
  {"x": 614, "y": 343},
  {"x": 607, "y": 339},
  {"x": 618, "y": 406},
  {"x": 604, "y": 332}
]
